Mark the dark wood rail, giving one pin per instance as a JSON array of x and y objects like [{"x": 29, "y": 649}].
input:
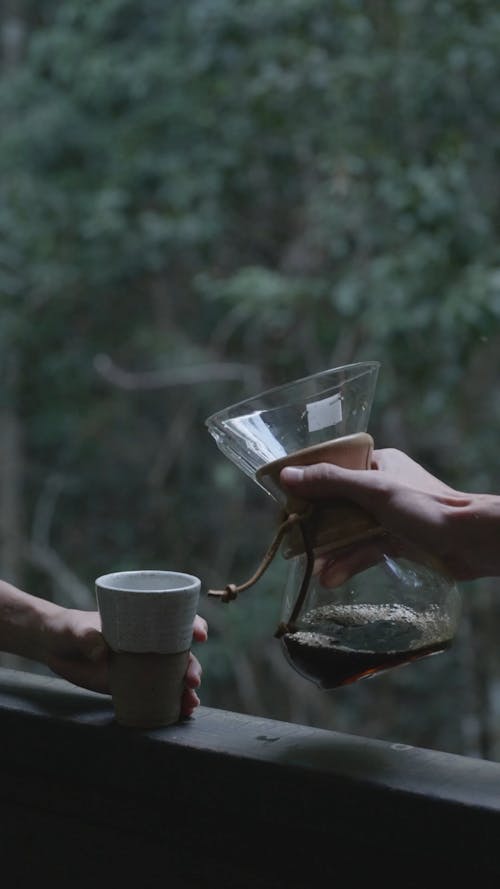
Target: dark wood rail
[{"x": 228, "y": 801}]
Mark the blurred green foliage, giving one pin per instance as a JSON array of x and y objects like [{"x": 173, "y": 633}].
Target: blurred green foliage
[{"x": 202, "y": 199}]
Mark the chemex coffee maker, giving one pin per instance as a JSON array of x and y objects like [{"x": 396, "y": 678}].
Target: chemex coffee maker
[{"x": 385, "y": 602}]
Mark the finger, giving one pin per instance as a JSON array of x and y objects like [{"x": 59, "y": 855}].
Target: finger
[
  {"x": 324, "y": 481},
  {"x": 93, "y": 677},
  {"x": 362, "y": 556},
  {"x": 190, "y": 701},
  {"x": 193, "y": 672},
  {"x": 200, "y": 629},
  {"x": 348, "y": 563},
  {"x": 93, "y": 645}
]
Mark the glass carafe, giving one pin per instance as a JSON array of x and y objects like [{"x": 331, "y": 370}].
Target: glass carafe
[{"x": 382, "y": 602}]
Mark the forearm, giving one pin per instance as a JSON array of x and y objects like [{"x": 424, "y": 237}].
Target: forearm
[{"x": 23, "y": 622}]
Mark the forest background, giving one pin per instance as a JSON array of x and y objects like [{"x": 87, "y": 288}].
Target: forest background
[{"x": 199, "y": 200}]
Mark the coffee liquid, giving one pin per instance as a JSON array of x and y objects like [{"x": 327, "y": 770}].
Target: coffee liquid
[{"x": 340, "y": 644}]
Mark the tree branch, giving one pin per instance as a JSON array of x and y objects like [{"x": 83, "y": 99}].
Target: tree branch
[
  {"x": 178, "y": 376},
  {"x": 77, "y": 594}
]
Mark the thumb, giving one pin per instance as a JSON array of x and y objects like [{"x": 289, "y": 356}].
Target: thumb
[
  {"x": 325, "y": 481},
  {"x": 92, "y": 645}
]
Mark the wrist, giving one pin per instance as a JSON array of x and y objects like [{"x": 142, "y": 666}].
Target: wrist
[
  {"x": 25, "y": 623},
  {"x": 473, "y": 532}
]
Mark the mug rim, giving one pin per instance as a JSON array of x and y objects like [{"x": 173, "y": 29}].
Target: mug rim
[{"x": 186, "y": 582}]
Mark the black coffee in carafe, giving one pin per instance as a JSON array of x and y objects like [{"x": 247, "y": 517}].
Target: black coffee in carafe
[{"x": 362, "y": 640}]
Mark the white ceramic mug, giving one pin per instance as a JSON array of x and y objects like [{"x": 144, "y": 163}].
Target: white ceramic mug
[{"x": 147, "y": 620}]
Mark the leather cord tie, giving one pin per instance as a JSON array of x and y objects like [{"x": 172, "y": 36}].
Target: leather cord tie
[
  {"x": 307, "y": 529},
  {"x": 231, "y": 590}
]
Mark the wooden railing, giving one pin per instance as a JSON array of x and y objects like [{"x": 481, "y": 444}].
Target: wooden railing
[{"x": 225, "y": 800}]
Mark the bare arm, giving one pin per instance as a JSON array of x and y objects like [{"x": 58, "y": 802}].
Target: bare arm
[{"x": 70, "y": 642}]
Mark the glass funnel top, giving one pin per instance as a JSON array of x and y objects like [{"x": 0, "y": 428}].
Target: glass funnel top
[{"x": 288, "y": 418}]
